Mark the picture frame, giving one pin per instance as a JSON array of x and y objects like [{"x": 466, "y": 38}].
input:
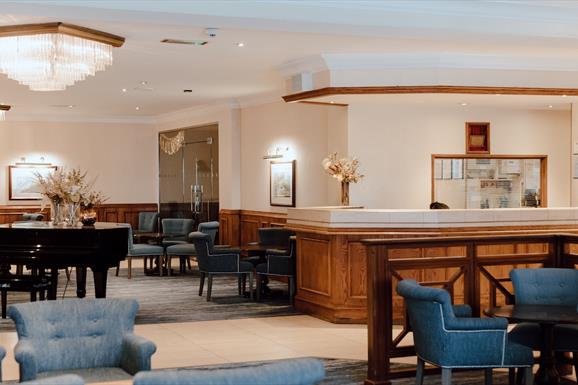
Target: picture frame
[
  {"x": 22, "y": 180},
  {"x": 282, "y": 183},
  {"x": 477, "y": 137}
]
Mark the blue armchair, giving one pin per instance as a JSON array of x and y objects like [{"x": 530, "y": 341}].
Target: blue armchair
[
  {"x": 546, "y": 286},
  {"x": 214, "y": 261},
  {"x": 449, "y": 342},
  {"x": 65, "y": 379},
  {"x": 302, "y": 371},
  {"x": 186, "y": 250},
  {"x": 92, "y": 337},
  {"x": 142, "y": 250},
  {"x": 179, "y": 227},
  {"x": 148, "y": 221},
  {"x": 279, "y": 263}
]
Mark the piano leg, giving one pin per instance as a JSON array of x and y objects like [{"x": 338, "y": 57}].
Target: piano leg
[
  {"x": 54, "y": 283},
  {"x": 100, "y": 274},
  {"x": 81, "y": 281}
]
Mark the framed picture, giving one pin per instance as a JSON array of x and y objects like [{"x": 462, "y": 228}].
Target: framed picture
[
  {"x": 22, "y": 181},
  {"x": 477, "y": 138},
  {"x": 282, "y": 184}
]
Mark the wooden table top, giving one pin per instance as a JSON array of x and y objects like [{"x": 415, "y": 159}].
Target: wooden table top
[{"x": 552, "y": 314}]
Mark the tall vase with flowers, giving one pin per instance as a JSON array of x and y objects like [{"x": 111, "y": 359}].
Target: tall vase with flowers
[{"x": 345, "y": 171}]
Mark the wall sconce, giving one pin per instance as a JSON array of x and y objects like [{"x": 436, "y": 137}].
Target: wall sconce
[
  {"x": 280, "y": 151},
  {"x": 3, "y": 109}
]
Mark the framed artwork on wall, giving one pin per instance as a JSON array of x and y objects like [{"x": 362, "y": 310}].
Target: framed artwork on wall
[
  {"x": 477, "y": 138},
  {"x": 282, "y": 184},
  {"x": 22, "y": 180}
]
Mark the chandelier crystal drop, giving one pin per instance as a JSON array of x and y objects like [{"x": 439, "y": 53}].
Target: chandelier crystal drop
[{"x": 54, "y": 60}]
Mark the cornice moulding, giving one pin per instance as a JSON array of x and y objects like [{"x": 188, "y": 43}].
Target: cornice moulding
[{"x": 80, "y": 119}]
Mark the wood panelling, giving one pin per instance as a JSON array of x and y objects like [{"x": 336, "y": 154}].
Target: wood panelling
[
  {"x": 316, "y": 278},
  {"x": 114, "y": 212},
  {"x": 430, "y": 89},
  {"x": 239, "y": 227}
]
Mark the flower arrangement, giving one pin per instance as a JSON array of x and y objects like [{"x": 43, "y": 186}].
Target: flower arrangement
[
  {"x": 344, "y": 170},
  {"x": 71, "y": 188}
]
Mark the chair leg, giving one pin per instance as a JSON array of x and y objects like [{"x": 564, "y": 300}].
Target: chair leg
[
  {"x": 258, "y": 289},
  {"x": 419, "y": 371},
  {"x": 251, "y": 285},
  {"x": 244, "y": 278},
  {"x": 117, "y": 269},
  {"x": 240, "y": 283},
  {"x": 512, "y": 376},
  {"x": 528, "y": 376},
  {"x": 291, "y": 290},
  {"x": 161, "y": 260},
  {"x": 189, "y": 263},
  {"x": 169, "y": 264},
  {"x": 201, "y": 284},
  {"x": 575, "y": 362},
  {"x": 129, "y": 263},
  {"x": 488, "y": 376},
  {"x": 209, "y": 287},
  {"x": 446, "y": 376}
]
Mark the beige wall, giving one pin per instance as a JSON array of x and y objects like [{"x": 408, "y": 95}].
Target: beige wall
[
  {"x": 117, "y": 153},
  {"x": 394, "y": 145},
  {"x": 301, "y": 127}
]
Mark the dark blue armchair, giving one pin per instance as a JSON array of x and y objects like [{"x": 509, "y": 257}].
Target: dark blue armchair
[
  {"x": 216, "y": 261},
  {"x": 148, "y": 221},
  {"x": 92, "y": 337},
  {"x": 444, "y": 340},
  {"x": 186, "y": 250},
  {"x": 279, "y": 263},
  {"x": 546, "y": 286},
  {"x": 302, "y": 371}
]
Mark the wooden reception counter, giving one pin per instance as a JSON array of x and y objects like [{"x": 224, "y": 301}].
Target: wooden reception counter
[{"x": 331, "y": 260}]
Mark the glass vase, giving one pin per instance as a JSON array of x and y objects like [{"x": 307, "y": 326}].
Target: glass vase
[
  {"x": 344, "y": 193},
  {"x": 88, "y": 217},
  {"x": 72, "y": 214},
  {"x": 57, "y": 213}
]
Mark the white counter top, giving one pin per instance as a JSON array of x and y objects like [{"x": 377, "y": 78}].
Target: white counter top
[{"x": 355, "y": 217}]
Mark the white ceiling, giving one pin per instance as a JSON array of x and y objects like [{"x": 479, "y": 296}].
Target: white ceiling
[{"x": 275, "y": 33}]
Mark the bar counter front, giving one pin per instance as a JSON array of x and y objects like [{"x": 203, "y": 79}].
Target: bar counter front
[{"x": 332, "y": 260}]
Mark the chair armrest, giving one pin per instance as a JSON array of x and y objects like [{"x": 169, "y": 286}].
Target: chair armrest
[
  {"x": 253, "y": 244},
  {"x": 276, "y": 252},
  {"x": 223, "y": 263},
  {"x": 226, "y": 250},
  {"x": 462, "y": 311},
  {"x": 222, "y": 247},
  {"x": 25, "y": 355},
  {"x": 136, "y": 353},
  {"x": 477, "y": 324}
]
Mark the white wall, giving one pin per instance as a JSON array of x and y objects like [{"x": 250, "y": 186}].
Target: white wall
[
  {"x": 120, "y": 155},
  {"x": 394, "y": 145},
  {"x": 301, "y": 127}
]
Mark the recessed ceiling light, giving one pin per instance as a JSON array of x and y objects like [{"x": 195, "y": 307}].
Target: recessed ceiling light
[
  {"x": 563, "y": 96},
  {"x": 71, "y": 106},
  {"x": 331, "y": 101},
  {"x": 463, "y": 104},
  {"x": 124, "y": 90},
  {"x": 498, "y": 94},
  {"x": 137, "y": 108},
  {"x": 185, "y": 42},
  {"x": 186, "y": 91},
  {"x": 240, "y": 44},
  {"x": 550, "y": 106},
  {"x": 144, "y": 83}
]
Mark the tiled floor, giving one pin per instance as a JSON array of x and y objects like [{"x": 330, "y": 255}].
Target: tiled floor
[{"x": 254, "y": 339}]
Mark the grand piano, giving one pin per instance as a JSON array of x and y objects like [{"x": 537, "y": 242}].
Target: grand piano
[{"x": 43, "y": 246}]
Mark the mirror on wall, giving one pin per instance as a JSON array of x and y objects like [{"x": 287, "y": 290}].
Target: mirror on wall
[
  {"x": 189, "y": 173},
  {"x": 489, "y": 181}
]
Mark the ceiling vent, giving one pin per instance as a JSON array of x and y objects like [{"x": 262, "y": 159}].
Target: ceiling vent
[{"x": 185, "y": 42}]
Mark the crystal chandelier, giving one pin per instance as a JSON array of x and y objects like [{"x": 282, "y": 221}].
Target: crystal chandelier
[
  {"x": 52, "y": 56},
  {"x": 171, "y": 145},
  {"x": 3, "y": 109}
]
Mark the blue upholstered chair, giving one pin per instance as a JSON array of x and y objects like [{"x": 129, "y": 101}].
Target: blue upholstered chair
[
  {"x": 148, "y": 221},
  {"x": 32, "y": 216},
  {"x": 279, "y": 263},
  {"x": 142, "y": 250},
  {"x": 180, "y": 227},
  {"x": 449, "y": 342},
  {"x": 301, "y": 371},
  {"x": 65, "y": 379},
  {"x": 186, "y": 250},
  {"x": 91, "y": 337},
  {"x": 214, "y": 261},
  {"x": 546, "y": 286}
]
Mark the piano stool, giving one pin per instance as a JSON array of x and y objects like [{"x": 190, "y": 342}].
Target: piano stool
[{"x": 23, "y": 283}]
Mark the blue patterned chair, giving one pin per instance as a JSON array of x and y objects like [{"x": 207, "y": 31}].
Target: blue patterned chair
[
  {"x": 186, "y": 250},
  {"x": 213, "y": 261},
  {"x": 546, "y": 286},
  {"x": 142, "y": 250},
  {"x": 444, "y": 340},
  {"x": 65, "y": 379},
  {"x": 89, "y": 337},
  {"x": 148, "y": 221},
  {"x": 301, "y": 371}
]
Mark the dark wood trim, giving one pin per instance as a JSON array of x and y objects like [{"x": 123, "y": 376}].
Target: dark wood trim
[
  {"x": 5, "y": 107},
  {"x": 64, "y": 28},
  {"x": 238, "y": 227},
  {"x": 433, "y": 89},
  {"x": 325, "y": 103}
]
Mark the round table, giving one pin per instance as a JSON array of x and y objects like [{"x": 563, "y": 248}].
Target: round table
[{"x": 547, "y": 316}]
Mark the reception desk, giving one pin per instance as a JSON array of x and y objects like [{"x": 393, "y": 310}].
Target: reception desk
[{"x": 331, "y": 259}]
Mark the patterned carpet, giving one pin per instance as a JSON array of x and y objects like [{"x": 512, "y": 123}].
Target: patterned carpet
[{"x": 175, "y": 299}]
